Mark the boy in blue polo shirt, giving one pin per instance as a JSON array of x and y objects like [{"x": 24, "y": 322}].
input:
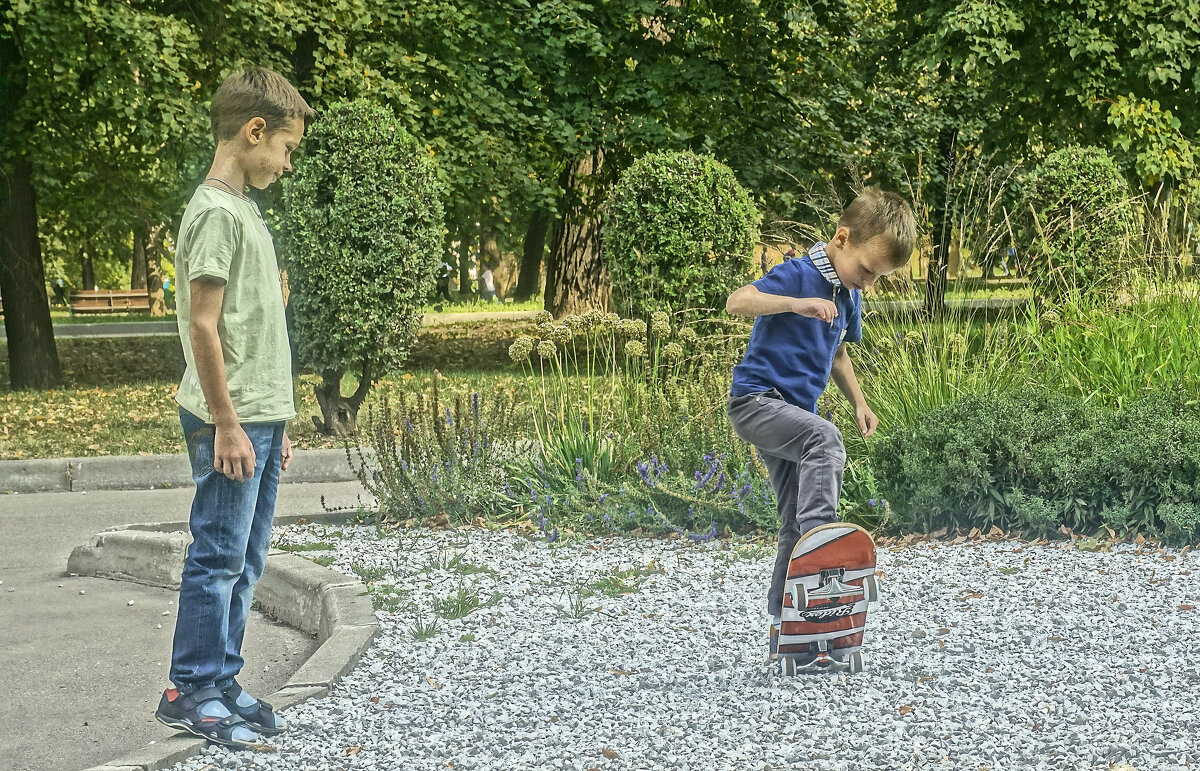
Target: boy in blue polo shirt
[{"x": 805, "y": 313}]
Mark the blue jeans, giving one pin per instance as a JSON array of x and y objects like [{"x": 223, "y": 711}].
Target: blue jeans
[{"x": 231, "y": 531}]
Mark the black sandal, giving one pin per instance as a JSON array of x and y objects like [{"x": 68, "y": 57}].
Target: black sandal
[
  {"x": 259, "y": 716},
  {"x": 181, "y": 711}
]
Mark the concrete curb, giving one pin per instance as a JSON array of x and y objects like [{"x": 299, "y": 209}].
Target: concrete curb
[
  {"x": 142, "y": 472},
  {"x": 302, "y": 594}
]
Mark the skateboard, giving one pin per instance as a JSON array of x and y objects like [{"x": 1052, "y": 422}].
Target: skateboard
[{"x": 830, "y": 585}]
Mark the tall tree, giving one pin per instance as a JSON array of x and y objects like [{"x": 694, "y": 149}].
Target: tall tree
[
  {"x": 98, "y": 129},
  {"x": 32, "y": 355}
]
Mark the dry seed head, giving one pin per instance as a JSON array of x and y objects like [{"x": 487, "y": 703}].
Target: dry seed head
[
  {"x": 633, "y": 328},
  {"x": 521, "y": 348},
  {"x": 673, "y": 351},
  {"x": 660, "y": 323},
  {"x": 635, "y": 349},
  {"x": 546, "y": 349}
]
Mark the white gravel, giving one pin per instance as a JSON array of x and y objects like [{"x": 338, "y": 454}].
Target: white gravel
[{"x": 985, "y": 655}]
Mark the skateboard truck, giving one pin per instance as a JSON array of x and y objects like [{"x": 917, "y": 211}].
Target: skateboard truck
[{"x": 822, "y": 659}]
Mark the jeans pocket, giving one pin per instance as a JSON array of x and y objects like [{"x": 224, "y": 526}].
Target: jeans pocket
[{"x": 200, "y": 447}]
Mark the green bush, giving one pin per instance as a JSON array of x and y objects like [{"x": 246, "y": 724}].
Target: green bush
[
  {"x": 1080, "y": 217},
  {"x": 1033, "y": 460},
  {"x": 961, "y": 465},
  {"x": 362, "y": 232},
  {"x": 679, "y": 233}
]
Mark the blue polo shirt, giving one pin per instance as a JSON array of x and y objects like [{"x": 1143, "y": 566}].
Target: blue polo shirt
[{"x": 792, "y": 353}]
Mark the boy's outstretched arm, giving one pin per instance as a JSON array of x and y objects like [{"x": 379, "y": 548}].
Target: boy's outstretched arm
[
  {"x": 847, "y": 383},
  {"x": 748, "y": 301}
]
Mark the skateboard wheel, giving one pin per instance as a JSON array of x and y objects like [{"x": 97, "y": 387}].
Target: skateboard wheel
[
  {"x": 856, "y": 662},
  {"x": 799, "y": 596},
  {"x": 871, "y": 589}
]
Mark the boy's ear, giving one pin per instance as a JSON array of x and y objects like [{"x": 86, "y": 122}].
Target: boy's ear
[
  {"x": 841, "y": 237},
  {"x": 255, "y": 130}
]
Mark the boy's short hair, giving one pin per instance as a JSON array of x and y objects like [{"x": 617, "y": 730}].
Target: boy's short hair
[
  {"x": 256, "y": 93},
  {"x": 876, "y": 212}
]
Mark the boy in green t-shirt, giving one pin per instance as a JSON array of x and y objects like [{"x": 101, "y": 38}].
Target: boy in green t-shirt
[{"x": 234, "y": 401}]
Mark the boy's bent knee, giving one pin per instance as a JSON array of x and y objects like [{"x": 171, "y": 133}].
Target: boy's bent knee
[{"x": 827, "y": 438}]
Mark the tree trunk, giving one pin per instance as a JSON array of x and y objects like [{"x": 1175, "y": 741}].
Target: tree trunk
[
  {"x": 529, "y": 278},
  {"x": 940, "y": 221},
  {"x": 32, "y": 353},
  {"x": 89, "y": 273},
  {"x": 137, "y": 275},
  {"x": 340, "y": 413},
  {"x": 464, "y": 265},
  {"x": 489, "y": 254},
  {"x": 576, "y": 279},
  {"x": 154, "y": 276}
]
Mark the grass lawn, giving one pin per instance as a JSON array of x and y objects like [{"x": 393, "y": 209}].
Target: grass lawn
[
  {"x": 119, "y": 393},
  {"x": 61, "y": 317},
  {"x": 476, "y": 306}
]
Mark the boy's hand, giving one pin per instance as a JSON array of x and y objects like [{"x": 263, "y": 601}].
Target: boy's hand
[
  {"x": 867, "y": 422},
  {"x": 286, "y": 455},
  {"x": 815, "y": 307},
  {"x": 233, "y": 455}
]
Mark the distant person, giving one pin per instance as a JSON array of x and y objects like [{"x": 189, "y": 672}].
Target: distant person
[
  {"x": 487, "y": 284},
  {"x": 60, "y": 292},
  {"x": 444, "y": 271},
  {"x": 234, "y": 403},
  {"x": 763, "y": 261},
  {"x": 806, "y": 312}
]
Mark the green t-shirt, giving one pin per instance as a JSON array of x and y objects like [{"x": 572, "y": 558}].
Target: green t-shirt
[{"x": 224, "y": 236}]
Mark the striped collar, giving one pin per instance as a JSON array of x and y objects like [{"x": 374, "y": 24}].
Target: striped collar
[{"x": 822, "y": 263}]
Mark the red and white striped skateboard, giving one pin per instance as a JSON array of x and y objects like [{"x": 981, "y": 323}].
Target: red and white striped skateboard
[{"x": 830, "y": 583}]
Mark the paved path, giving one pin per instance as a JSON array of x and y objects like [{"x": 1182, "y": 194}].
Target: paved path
[{"x": 83, "y": 672}]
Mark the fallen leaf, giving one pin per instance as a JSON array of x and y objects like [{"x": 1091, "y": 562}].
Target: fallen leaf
[
  {"x": 433, "y": 683},
  {"x": 374, "y": 699},
  {"x": 611, "y": 754},
  {"x": 354, "y": 750},
  {"x": 1187, "y": 607},
  {"x": 907, "y": 709},
  {"x": 618, "y": 671}
]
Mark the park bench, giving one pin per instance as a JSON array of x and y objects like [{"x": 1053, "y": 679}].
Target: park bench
[{"x": 109, "y": 300}]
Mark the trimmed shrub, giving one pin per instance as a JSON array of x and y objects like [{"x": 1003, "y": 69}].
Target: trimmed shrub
[
  {"x": 362, "y": 229},
  {"x": 679, "y": 233},
  {"x": 977, "y": 461},
  {"x": 1080, "y": 216},
  {"x": 1033, "y": 460}
]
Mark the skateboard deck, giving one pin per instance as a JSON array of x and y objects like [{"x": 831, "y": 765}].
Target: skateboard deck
[{"x": 830, "y": 585}]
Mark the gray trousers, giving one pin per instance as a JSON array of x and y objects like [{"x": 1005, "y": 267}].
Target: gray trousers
[{"x": 805, "y": 457}]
